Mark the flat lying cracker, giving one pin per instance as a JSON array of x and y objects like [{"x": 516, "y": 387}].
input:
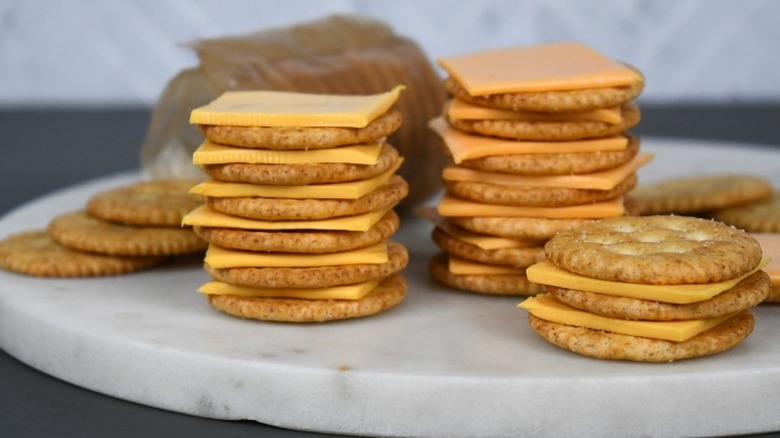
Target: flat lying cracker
[
  {"x": 757, "y": 217},
  {"x": 387, "y": 295},
  {"x": 701, "y": 193},
  {"x": 515, "y": 257},
  {"x": 35, "y": 253},
  {"x": 747, "y": 293},
  {"x": 520, "y": 228},
  {"x": 613, "y": 346},
  {"x": 655, "y": 250},
  {"x": 302, "y": 138},
  {"x": 504, "y": 284}
]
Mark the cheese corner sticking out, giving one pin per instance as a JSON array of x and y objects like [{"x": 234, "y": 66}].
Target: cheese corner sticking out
[
  {"x": 213, "y": 153},
  {"x": 287, "y": 109},
  {"x": 348, "y": 292},
  {"x": 546, "y": 67},
  {"x": 548, "y": 308},
  {"x": 451, "y": 206},
  {"x": 218, "y": 257},
  {"x": 461, "y": 110},
  {"x": 460, "y": 266}
]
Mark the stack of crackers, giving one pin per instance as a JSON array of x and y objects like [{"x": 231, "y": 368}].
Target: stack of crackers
[
  {"x": 538, "y": 137},
  {"x": 299, "y": 207}
]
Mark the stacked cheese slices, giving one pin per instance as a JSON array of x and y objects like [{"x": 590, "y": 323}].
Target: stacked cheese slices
[
  {"x": 299, "y": 207},
  {"x": 539, "y": 141}
]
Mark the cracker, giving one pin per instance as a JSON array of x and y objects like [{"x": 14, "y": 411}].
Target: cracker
[
  {"x": 521, "y": 228},
  {"x": 386, "y": 196},
  {"x": 550, "y": 101},
  {"x": 697, "y": 194},
  {"x": 549, "y": 130},
  {"x": 312, "y": 277},
  {"x": 35, "y": 253},
  {"x": 301, "y": 174},
  {"x": 774, "y": 294},
  {"x": 82, "y": 232},
  {"x": 504, "y": 284},
  {"x": 146, "y": 203},
  {"x": 757, "y": 217},
  {"x": 306, "y": 241},
  {"x": 387, "y": 295},
  {"x": 655, "y": 250},
  {"x": 490, "y": 193},
  {"x": 291, "y": 138},
  {"x": 556, "y": 164},
  {"x": 614, "y": 346},
  {"x": 749, "y": 292},
  {"x": 515, "y": 257}
]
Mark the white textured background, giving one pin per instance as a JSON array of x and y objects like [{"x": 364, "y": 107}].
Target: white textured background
[{"x": 122, "y": 52}]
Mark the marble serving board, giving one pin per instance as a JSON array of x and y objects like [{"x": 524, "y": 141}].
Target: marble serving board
[{"x": 444, "y": 363}]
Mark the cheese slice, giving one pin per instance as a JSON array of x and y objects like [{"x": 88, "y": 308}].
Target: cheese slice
[
  {"x": 545, "y": 67},
  {"x": 348, "y": 292},
  {"x": 451, "y": 206},
  {"x": 214, "y": 153},
  {"x": 204, "y": 216},
  {"x": 346, "y": 190},
  {"x": 463, "y": 146},
  {"x": 461, "y": 110},
  {"x": 220, "y": 258},
  {"x": 548, "y": 308},
  {"x": 770, "y": 246},
  {"x": 547, "y": 273},
  {"x": 460, "y": 266},
  {"x": 288, "y": 109}
]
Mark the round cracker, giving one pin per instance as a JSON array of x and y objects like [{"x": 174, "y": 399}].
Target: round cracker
[
  {"x": 35, "y": 253},
  {"x": 293, "y": 138},
  {"x": 301, "y": 174},
  {"x": 655, "y": 250},
  {"x": 312, "y": 277},
  {"x": 613, "y": 346},
  {"x": 757, "y": 217},
  {"x": 390, "y": 292},
  {"x": 383, "y": 197},
  {"x": 774, "y": 294},
  {"x": 749, "y": 292},
  {"x": 515, "y": 257},
  {"x": 493, "y": 284},
  {"x": 522, "y": 228}
]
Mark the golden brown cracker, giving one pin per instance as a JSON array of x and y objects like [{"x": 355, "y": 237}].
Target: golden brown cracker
[
  {"x": 494, "y": 284},
  {"x": 758, "y": 217},
  {"x": 521, "y": 228},
  {"x": 521, "y": 257}
]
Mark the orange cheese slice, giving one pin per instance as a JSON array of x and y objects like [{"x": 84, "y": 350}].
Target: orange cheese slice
[
  {"x": 451, "y": 206},
  {"x": 288, "y": 109},
  {"x": 348, "y": 292},
  {"x": 463, "y": 146},
  {"x": 549, "y": 274},
  {"x": 604, "y": 180},
  {"x": 220, "y": 258},
  {"x": 460, "y": 266},
  {"x": 204, "y": 216},
  {"x": 770, "y": 246},
  {"x": 461, "y": 110},
  {"x": 546, "y": 67},
  {"x": 346, "y": 190},
  {"x": 548, "y": 308},
  {"x": 213, "y": 153}
]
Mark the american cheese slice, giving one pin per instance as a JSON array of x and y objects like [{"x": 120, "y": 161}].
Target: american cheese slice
[
  {"x": 460, "y": 266},
  {"x": 548, "y": 308},
  {"x": 484, "y": 241},
  {"x": 218, "y": 257},
  {"x": 204, "y": 216},
  {"x": 288, "y": 109},
  {"x": 451, "y": 206},
  {"x": 549, "y": 274},
  {"x": 346, "y": 190},
  {"x": 348, "y": 292},
  {"x": 770, "y": 246},
  {"x": 463, "y": 146},
  {"x": 604, "y": 180},
  {"x": 545, "y": 67},
  {"x": 461, "y": 110},
  {"x": 213, "y": 153}
]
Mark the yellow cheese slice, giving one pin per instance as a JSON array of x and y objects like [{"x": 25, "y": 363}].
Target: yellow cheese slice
[
  {"x": 213, "y": 153},
  {"x": 288, "y": 109},
  {"x": 461, "y": 110},
  {"x": 548, "y": 308},
  {"x": 770, "y": 246},
  {"x": 604, "y": 180},
  {"x": 460, "y": 266},
  {"x": 545, "y": 67},
  {"x": 204, "y": 216},
  {"x": 349, "y": 292},
  {"x": 220, "y": 258},
  {"x": 346, "y": 190},
  {"x": 451, "y": 206},
  {"x": 463, "y": 146},
  {"x": 549, "y": 274}
]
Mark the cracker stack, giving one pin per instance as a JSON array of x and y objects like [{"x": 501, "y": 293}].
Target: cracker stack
[
  {"x": 539, "y": 143},
  {"x": 299, "y": 206},
  {"x": 648, "y": 289}
]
